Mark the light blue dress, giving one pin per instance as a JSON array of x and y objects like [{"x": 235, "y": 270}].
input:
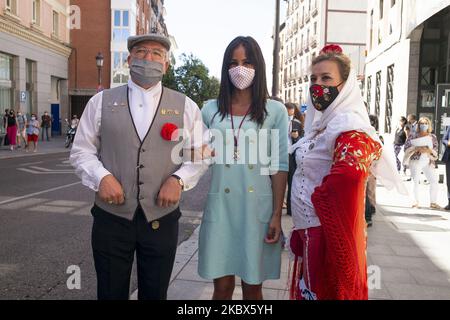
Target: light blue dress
[{"x": 239, "y": 204}]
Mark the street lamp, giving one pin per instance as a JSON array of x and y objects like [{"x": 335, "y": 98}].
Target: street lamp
[
  {"x": 276, "y": 50},
  {"x": 99, "y": 60}
]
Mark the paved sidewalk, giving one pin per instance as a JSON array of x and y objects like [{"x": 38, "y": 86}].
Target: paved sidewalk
[
  {"x": 409, "y": 247},
  {"x": 55, "y": 145}
]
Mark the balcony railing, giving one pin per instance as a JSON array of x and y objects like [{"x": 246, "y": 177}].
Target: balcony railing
[
  {"x": 307, "y": 17},
  {"x": 313, "y": 41},
  {"x": 314, "y": 10}
]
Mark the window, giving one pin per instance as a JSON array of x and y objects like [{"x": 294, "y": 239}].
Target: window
[
  {"x": 6, "y": 90},
  {"x": 377, "y": 94},
  {"x": 36, "y": 18},
  {"x": 371, "y": 31},
  {"x": 369, "y": 92},
  {"x": 389, "y": 99},
  {"x": 121, "y": 30},
  {"x": 120, "y": 67},
  {"x": 381, "y": 9},
  {"x": 30, "y": 85},
  {"x": 55, "y": 23},
  {"x": 11, "y": 6}
]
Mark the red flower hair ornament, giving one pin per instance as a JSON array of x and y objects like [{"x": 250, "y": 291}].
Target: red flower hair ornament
[
  {"x": 169, "y": 132},
  {"x": 332, "y": 48}
]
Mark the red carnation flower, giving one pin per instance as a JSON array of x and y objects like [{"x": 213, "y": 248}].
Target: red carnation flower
[
  {"x": 331, "y": 48},
  {"x": 317, "y": 90},
  {"x": 168, "y": 132}
]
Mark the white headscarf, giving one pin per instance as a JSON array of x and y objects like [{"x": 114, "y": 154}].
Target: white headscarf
[{"x": 348, "y": 113}]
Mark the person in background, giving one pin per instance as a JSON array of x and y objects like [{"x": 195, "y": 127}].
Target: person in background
[
  {"x": 295, "y": 132},
  {"x": 75, "y": 121},
  {"x": 421, "y": 153},
  {"x": 399, "y": 141},
  {"x": 411, "y": 126},
  {"x": 21, "y": 129},
  {"x": 11, "y": 129},
  {"x": 5, "y": 119},
  {"x": 446, "y": 160},
  {"x": 32, "y": 132},
  {"x": 46, "y": 124},
  {"x": 371, "y": 184}
]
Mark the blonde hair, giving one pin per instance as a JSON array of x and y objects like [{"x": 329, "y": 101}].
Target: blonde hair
[
  {"x": 343, "y": 61},
  {"x": 428, "y": 121}
]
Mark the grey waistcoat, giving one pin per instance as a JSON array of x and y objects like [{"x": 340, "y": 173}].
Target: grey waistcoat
[{"x": 140, "y": 167}]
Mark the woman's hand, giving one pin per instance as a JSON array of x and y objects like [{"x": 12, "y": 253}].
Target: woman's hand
[
  {"x": 424, "y": 150},
  {"x": 274, "y": 232}
]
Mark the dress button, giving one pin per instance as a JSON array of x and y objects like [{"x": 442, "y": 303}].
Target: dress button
[
  {"x": 250, "y": 189},
  {"x": 227, "y": 166},
  {"x": 155, "y": 225},
  {"x": 250, "y": 166},
  {"x": 142, "y": 150},
  {"x": 141, "y": 183},
  {"x": 141, "y": 198},
  {"x": 227, "y": 190},
  {"x": 141, "y": 166}
]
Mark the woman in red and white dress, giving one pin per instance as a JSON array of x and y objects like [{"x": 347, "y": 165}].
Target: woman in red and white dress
[{"x": 334, "y": 159}]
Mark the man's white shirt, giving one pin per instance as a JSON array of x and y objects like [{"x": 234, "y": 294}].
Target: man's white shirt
[{"x": 143, "y": 105}]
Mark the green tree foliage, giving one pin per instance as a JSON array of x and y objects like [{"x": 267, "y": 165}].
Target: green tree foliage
[{"x": 192, "y": 78}]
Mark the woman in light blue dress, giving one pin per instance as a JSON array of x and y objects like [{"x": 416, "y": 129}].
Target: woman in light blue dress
[{"x": 241, "y": 226}]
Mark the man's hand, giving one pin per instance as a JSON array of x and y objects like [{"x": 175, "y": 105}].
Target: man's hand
[
  {"x": 111, "y": 191},
  {"x": 169, "y": 194},
  {"x": 274, "y": 232},
  {"x": 198, "y": 154}
]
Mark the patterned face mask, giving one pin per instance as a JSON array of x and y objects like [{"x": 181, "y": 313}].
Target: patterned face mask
[
  {"x": 323, "y": 96},
  {"x": 241, "y": 77}
]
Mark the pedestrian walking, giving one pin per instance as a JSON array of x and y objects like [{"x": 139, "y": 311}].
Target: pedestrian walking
[
  {"x": 124, "y": 151},
  {"x": 446, "y": 160},
  {"x": 421, "y": 153},
  {"x": 411, "y": 126},
  {"x": 295, "y": 133},
  {"x": 11, "y": 129},
  {"x": 328, "y": 189},
  {"x": 21, "y": 129},
  {"x": 46, "y": 123},
  {"x": 371, "y": 184},
  {"x": 241, "y": 225},
  {"x": 32, "y": 133},
  {"x": 399, "y": 141}
]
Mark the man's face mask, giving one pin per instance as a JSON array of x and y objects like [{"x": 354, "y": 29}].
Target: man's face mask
[
  {"x": 146, "y": 73},
  {"x": 323, "y": 96}
]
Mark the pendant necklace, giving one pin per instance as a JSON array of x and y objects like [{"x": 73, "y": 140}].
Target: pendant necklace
[{"x": 236, "y": 155}]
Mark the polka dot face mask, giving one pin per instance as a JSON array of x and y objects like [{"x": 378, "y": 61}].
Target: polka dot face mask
[{"x": 241, "y": 77}]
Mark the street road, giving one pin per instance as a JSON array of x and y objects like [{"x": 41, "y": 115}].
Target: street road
[{"x": 45, "y": 227}]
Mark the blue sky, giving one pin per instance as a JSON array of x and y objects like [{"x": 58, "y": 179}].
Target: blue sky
[{"x": 206, "y": 27}]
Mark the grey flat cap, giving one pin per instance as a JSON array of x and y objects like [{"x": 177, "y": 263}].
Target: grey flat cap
[{"x": 134, "y": 40}]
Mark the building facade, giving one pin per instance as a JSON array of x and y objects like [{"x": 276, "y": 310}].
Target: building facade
[
  {"x": 110, "y": 23},
  {"x": 34, "y": 52},
  {"x": 308, "y": 27},
  {"x": 408, "y": 61}
]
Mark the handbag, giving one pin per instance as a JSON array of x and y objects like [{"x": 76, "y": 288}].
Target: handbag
[{"x": 6, "y": 140}]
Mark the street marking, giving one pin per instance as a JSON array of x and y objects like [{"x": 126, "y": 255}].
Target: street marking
[
  {"x": 31, "y": 163},
  {"x": 40, "y": 192},
  {"x": 40, "y": 170}
]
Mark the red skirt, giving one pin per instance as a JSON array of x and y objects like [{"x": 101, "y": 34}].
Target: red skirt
[{"x": 11, "y": 132}]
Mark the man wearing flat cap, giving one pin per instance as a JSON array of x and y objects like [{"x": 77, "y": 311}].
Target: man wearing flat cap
[{"x": 124, "y": 151}]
